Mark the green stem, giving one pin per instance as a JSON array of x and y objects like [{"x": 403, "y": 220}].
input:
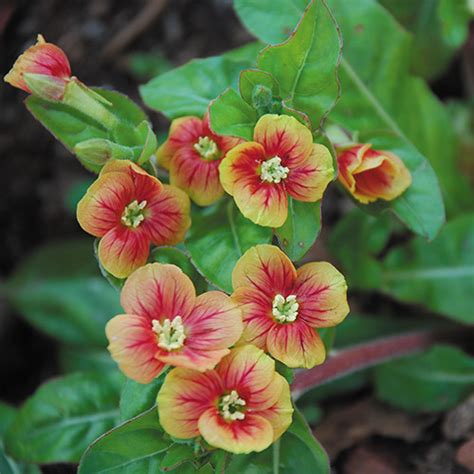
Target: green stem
[{"x": 276, "y": 456}]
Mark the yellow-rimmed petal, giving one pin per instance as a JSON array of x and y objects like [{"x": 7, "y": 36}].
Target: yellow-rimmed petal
[{"x": 321, "y": 292}]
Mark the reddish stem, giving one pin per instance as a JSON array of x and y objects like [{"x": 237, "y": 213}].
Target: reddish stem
[{"x": 359, "y": 357}]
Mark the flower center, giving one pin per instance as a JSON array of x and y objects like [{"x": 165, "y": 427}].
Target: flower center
[
  {"x": 133, "y": 214},
  {"x": 285, "y": 310},
  {"x": 272, "y": 171},
  {"x": 231, "y": 406},
  {"x": 170, "y": 333},
  {"x": 207, "y": 149}
]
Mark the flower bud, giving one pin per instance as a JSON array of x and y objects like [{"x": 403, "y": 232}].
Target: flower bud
[
  {"x": 371, "y": 174},
  {"x": 47, "y": 68},
  {"x": 97, "y": 151}
]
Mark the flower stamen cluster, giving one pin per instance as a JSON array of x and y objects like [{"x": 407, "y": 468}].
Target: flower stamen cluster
[
  {"x": 285, "y": 310},
  {"x": 133, "y": 214},
  {"x": 231, "y": 406},
  {"x": 207, "y": 148},
  {"x": 272, "y": 171},
  {"x": 170, "y": 333}
]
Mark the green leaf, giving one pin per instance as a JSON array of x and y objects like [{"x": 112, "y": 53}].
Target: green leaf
[
  {"x": 63, "y": 416},
  {"x": 297, "y": 443},
  {"x": 455, "y": 16},
  {"x": 223, "y": 229},
  {"x": 231, "y": 115},
  {"x": 305, "y": 66},
  {"x": 71, "y": 127},
  {"x": 431, "y": 382},
  {"x": 301, "y": 228},
  {"x": 188, "y": 89},
  {"x": 368, "y": 236},
  {"x": 134, "y": 447},
  {"x": 176, "y": 456},
  {"x": 439, "y": 275},
  {"x": 270, "y": 20},
  {"x": 7, "y": 414},
  {"x": 81, "y": 359},
  {"x": 59, "y": 290},
  {"x": 137, "y": 398}
]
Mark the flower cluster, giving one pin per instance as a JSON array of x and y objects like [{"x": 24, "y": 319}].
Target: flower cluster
[{"x": 223, "y": 384}]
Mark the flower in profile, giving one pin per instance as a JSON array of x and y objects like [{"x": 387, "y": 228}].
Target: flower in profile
[
  {"x": 128, "y": 209},
  {"x": 242, "y": 405},
  {"x": 371, "y": 174},
  {"x": 192, "y": 155},
  {"x": 282, "y": 307},
  {"x": 46, "y": 64},
  {"x": 167, "y": 324},
  {"x": 282, "y": 160}
]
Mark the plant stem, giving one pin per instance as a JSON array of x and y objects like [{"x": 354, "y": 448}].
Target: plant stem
[
  {"x": 361, "y": 356},
  {"x": 276, "y": 456}
]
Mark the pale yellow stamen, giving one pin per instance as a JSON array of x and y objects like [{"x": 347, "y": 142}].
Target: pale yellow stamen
[
  {"x": 207, "y": 148},
  {"x": 170, "y": 333},
  {"x": 272, "y": 171},
  {"x": 231, "y": 406},
  {"x": 285, "y": 310},
  {"x": 133, "y": 214}
]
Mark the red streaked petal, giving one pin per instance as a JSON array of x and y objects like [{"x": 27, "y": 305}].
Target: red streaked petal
[
  {"x": 167, "y": 219},
  {"x": 132, "y": 344},
  {"x": 158, "y": 291},
  {"x": 257, "y": 315},
  {"x": 198, "y": 177},
  {"x": 264, "y": 203},
  {"x": 185, "y": 395},
  {"x": 308, "y": 180},
  {"x": 190, "y": 358},
  {"x": 280, "y": 413},
  {"x": 321, "y": 292},
  {"x": 104, "y": 202},
  {"x": 254, "y": 433},
  {"x": 283, "y": 136},
  {"x": 184, "y": 131},
  {"x": 296, "y": 345},
  {"x": 123, "y": 250},
  {"x": 249, "y": 371},
  {"x": 348, "y": 161},
  {"x": 265, "y": 268},
  {"x": 214, "y": 323}
]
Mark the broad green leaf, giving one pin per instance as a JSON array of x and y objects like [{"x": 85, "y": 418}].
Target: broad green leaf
[
  {"x": 248, "y": 52},
  {"x": 71, "y": 127},
  {"x": 188, "y": 89},
  {"x": 431, "y": 382},
  {"x": 137, "y": 398},
  {"x": 176, "y": 456},
  {"x": 231, "y": 115},
  {"x": 297, "y": 452},
  {"x": 270, "y": 20},
  {"x": 63, "y": 416},
  {"x": 439, "y": 275},
  {"x": 379, "y": 99},
  {"x": 305, "y": 66},
  {"x": 223, "y": 229},
  {"x": 135, "y": 447},
  {"x": 83, "y": 358},
  {"x": 301, "y": 228},
  {"x": 7, "y": 414},
  {"x": 59, "y": 290},
  {"x": 454, "y": 16},
  {"x": 368, "y": 236}
]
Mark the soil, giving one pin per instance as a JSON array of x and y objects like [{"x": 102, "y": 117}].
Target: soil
[{"x": 38, "y": 174}]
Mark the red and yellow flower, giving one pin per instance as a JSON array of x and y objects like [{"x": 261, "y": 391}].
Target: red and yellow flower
[
  {"x": 242, "y": 405},
  {"x": 167, "y": 324},
  {"x": 192, "y": 155},
  {"x": 282, "y": 160},
  {"x": 130, "y": 209},
  {"x": 45, "y": 61},
  {"x": 371, "y": 174},
  {"x": 282, "y": 306}
]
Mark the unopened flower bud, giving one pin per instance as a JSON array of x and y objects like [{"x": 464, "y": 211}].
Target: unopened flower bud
[
  {"x": 371, "y": 174},
  {"x": 47, "y": 67},
  {"x": 97, "y": 151}
]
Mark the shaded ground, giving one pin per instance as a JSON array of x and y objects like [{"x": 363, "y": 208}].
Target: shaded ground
[{"x": 38, "y": 173}]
